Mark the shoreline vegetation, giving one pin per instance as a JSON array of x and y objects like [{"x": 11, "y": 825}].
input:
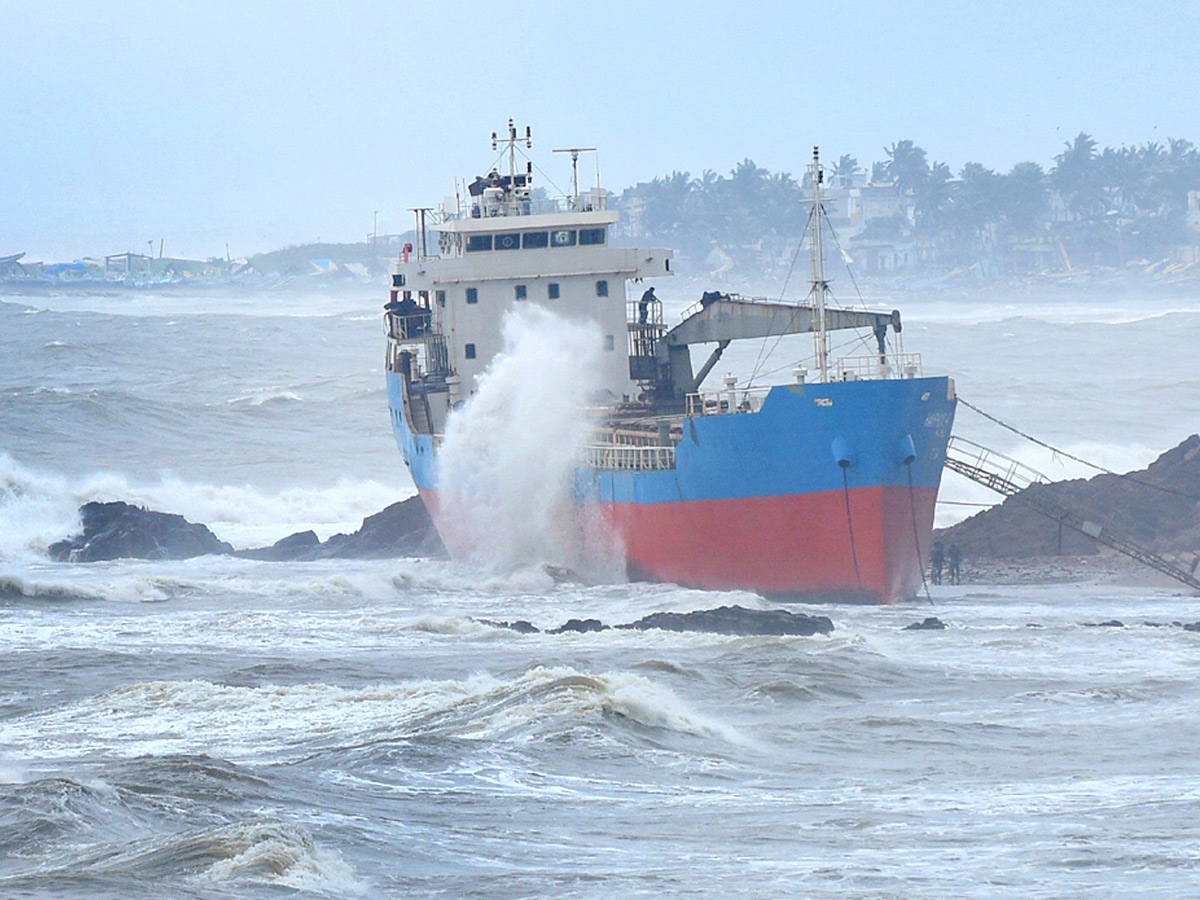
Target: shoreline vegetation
[{"x": 1096, "y": 215}]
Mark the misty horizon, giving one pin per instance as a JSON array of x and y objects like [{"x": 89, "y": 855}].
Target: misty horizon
[{"x": 246, "y": 128}]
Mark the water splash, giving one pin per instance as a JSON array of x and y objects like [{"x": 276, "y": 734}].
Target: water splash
[{"x": 508, "y": 463}]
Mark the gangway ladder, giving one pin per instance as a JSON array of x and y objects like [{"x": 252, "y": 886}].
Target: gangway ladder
[{"x": 1008, "y": 477}]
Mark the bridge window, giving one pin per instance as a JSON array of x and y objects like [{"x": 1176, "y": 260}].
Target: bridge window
[
  {"x": 552, "y": 290},
  {"x": 601, "y": 288},
  {"x": 441, "y": 298},
  {"x": 609, "y": 342},
  {"x": 531, "y": 240},
  {"x": 472, "y": 295},
  {"x": 469, "y": 351},
  {"x": 398, "y": 280},
  {"x": 519, "y": 290},
  {"x": 591, "y": 236},
  {"x": 564, "y": 238},
  {"x": 477, "y": 242},
  {"x": 510, "y": 241}
]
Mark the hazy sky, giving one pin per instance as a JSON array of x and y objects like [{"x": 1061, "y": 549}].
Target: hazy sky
[{"x": 266, "y": 124}]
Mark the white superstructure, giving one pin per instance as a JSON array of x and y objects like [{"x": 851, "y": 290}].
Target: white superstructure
[{"x": 503, "y": 246}]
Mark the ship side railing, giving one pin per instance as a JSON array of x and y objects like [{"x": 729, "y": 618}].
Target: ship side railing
[
  {"x": 485, "y": 208},
  {"x": 724, "y": 402},
  {"x": 872, "y": 368},
  {"x": 630, "y": 457}
]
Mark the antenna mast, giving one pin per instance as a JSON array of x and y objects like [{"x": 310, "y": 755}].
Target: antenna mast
[
  {"x": 575, "y": 151},
  {"x": 820, "y": 287},
  {"x": 512, "y": 140}
]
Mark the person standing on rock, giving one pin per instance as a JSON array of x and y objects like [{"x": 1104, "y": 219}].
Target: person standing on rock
[
  {"x": 936, "y": 560},
  {"x": 955, "y": 564}
]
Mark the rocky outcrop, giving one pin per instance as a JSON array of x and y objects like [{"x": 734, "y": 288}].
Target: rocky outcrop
[
  {"x": 402, "y": 529},
  {"x": 732, "y": 620},
  {"x": 120, "y": 531},
  {"x": 1158, "y": 507},
  {"x": 736, "y": 620}
]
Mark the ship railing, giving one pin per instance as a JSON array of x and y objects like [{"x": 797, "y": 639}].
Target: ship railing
[
  {"x": 481, "y": 208},
  {"x": 414, "y": 326},
  {"x": 994, "y": 466},
  {"x": 724, "y": 402},
  {"x": 873, "y": 368},
  {"x": 428, "y": 353},
  {"x": 630, "y": 458}
]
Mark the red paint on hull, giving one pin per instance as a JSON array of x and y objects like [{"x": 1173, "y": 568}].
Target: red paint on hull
[{"x": 792, "y": 545}]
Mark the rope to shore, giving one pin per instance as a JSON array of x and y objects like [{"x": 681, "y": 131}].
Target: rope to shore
[{"x": 1071, "y": 456}]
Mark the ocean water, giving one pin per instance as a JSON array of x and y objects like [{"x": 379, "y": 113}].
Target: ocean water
[{"x": 222, "y": 728}]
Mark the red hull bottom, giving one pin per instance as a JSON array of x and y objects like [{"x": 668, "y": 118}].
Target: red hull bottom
[{"x": 798, "y": 546}]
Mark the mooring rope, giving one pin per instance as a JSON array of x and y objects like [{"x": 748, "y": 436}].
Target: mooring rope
[
  {"x": 1071, "y": 456},
  {"x": 912, "y": 508},
  {"x": 850, "y": 524}
]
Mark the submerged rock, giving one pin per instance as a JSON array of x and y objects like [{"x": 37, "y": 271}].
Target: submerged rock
[
  {"x": 580, "y": 625},
  {"x": 931, "y": 623},
  {"x": 120, "y": 531},
  {"x": 294, "y": 546},
  {"x": 736, "y": 620},
  {"x": 520, "y": 626}
]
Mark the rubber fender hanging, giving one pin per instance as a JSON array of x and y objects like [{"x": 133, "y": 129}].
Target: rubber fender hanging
[
  {"x": 841, "y": 452},
  {"x": 908, "y": 450}
]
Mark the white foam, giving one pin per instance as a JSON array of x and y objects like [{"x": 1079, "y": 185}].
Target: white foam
[
  {"x": 280, "y": 854},
  {"x": 508, "y": 462},
  {"x": 38, "y": 508},
  {"x": 280, "y": 721}
]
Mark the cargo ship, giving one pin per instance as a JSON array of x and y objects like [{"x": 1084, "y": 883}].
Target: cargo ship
[{"x": 821, "y": 488}]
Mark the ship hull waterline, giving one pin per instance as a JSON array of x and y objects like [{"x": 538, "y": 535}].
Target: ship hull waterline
[{"x": 781, "y": 502}]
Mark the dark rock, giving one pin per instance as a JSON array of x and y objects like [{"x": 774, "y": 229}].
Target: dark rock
[
  {"x": 520, "y": 626},
  {"x": 120, "y": 531},
  {"x": 736, "y": 620},
  {"x": 1111, "y": 623},
  {"x": 931, "y": 623},
  {"x": 292, "y": 547},
  {"x": 1156, "y": 507},
  {"x": 402, "y": 529},
  {"x": 1192, "y": 626},
  {"x": 580, "y": 625}
]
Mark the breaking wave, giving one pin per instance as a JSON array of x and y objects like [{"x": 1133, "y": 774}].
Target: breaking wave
[
  {"x": 236, "y": 722},
  {"x": 507, "y": 466},
  {"x": 38, "y": 508}
]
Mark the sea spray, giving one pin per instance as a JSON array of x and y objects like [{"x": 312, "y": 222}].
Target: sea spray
[{"x": 507, "y": 466}]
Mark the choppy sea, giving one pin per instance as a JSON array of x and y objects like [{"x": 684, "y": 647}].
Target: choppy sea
[{"x": 224, "y": 728}]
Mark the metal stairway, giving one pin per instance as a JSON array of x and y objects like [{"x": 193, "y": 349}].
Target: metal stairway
[{"x": 1008, "y": 477}]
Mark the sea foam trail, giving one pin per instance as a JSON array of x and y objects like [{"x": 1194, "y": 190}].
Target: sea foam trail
[{"x": 508, "y": 462}]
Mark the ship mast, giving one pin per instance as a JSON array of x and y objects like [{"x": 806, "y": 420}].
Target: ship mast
[
  {"x": 820, "y": 287},
  {"x": 512, "y": 140}
]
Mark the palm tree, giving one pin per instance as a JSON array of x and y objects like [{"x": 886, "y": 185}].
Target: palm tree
[
  {"x": 1076, "y": 177},
  {"x": 1024, "y": 197},
  {"x": 907, "y": 166}
]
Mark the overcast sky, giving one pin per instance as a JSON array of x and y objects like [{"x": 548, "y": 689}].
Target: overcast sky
[{"x": 268, "y": 124}]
